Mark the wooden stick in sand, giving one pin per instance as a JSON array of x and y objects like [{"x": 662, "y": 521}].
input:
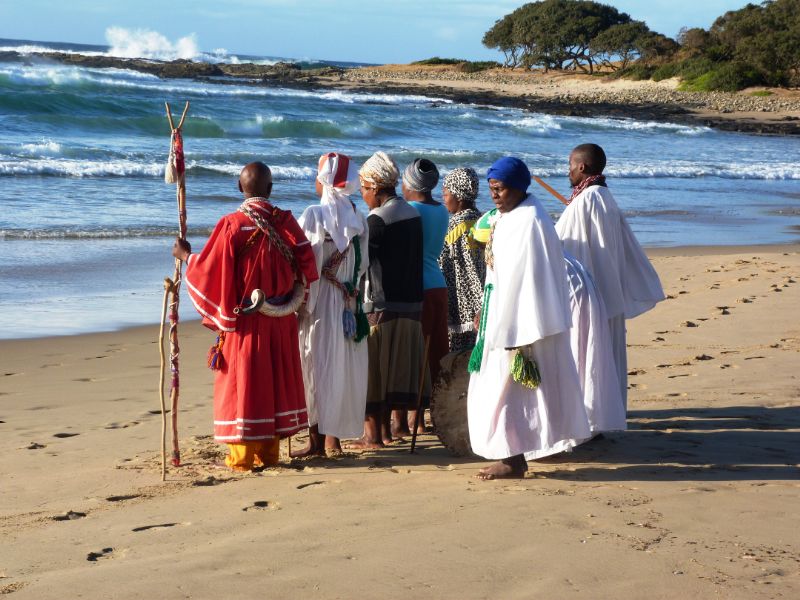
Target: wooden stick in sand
[
  {"x": 420, "y": 409},
  {"x": 538, "y": 180},
  {"x": 172, "y": 300}
]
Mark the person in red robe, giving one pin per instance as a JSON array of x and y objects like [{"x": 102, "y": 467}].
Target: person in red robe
[{"x": 258, "y": 391}]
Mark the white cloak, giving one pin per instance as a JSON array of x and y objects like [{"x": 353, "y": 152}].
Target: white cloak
[
  {"x": 529, "y": 307},
  {"x": 334, "y": 368},
  {"x": 594, "y": 230},
  {"x": 592, "y": 349}
]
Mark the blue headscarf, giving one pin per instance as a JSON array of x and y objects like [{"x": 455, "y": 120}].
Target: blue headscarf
[{"x": 512, "y": 172}]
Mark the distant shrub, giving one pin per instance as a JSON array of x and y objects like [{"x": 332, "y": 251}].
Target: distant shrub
[
  {"x": 667, "y": 71},
  {"x": 480, "y": 65},
  {"x": 637, "y": 71},
  {"x": 439, "y": 61}
]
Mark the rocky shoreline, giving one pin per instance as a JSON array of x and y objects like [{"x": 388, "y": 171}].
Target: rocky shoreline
[{"x": 774, "y": 114}]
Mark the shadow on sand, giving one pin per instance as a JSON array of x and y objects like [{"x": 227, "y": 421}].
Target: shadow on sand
[{"x": 736, "y": 443}]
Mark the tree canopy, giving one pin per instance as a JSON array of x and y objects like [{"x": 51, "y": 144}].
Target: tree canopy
[
  {"x": 570, "y": 34},
  {"x": 756, "y": 45}
]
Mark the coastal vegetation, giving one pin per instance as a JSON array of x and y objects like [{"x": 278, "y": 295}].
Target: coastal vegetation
[{"x": 756, "y": 45}]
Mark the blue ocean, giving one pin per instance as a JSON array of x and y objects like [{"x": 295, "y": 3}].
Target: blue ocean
[{"x": 87, "y": 221}]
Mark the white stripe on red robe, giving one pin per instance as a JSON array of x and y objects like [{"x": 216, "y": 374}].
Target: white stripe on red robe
[{"x": 258, "y": 392}]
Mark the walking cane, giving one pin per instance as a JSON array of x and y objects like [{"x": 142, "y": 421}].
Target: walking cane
[
  {"x": 172, "y": 291},
  {"x": 419, "y": 394}
]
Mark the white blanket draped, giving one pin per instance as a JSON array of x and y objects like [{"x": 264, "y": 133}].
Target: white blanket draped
[
  {"x": 592, "y": 349},
  {"x": 529, "y": 307},
  {"x": 334, "y": 368},
  {"x": 593, "y": 230}
]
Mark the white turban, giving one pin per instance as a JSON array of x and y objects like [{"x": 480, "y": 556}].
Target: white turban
[
  {"x": 339, "y": 179},
  {"x": 381, "y": 170}
]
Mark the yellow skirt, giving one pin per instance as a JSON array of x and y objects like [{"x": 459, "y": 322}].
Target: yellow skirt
[{"x": 246, "y": 455}]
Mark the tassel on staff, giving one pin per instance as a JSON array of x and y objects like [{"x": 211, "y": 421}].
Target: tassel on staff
[{"x": 175, "y": 173}]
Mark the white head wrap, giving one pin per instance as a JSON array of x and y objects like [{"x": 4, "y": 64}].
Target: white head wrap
[
  {"x": 381, "y": 170},
  {"x": 339, "y": 179}
]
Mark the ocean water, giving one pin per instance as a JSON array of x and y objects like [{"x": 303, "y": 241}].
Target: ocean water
[{"x": 87, "y": 221}]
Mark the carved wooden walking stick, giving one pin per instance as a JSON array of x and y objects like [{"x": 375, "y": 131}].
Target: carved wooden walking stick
[{"x": 176, "y": 171}]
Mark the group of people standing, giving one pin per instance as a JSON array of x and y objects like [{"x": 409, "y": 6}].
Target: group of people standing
[{"x": 325, "y": 322}]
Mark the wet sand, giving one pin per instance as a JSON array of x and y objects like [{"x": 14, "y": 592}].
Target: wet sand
[{"x": 697, "y": 499}]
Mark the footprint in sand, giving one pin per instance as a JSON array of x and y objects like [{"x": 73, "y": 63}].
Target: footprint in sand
[
  {"x": 121, "y": 425},
  {"x": 122, "y": 498},
  {"x": 633, "y": 372},
  {"x": 49, "y": 365},
  {"x": 658, "y": 339},
  {"x": 70, "y": 515},
  {"x": 34, "y": 446},
  {"x": 703, "y": 357},
  {"x": 11, "y": 374},
  {"x": 312, "y": 483},
  {"x": 89, "y": 379},
  {"x": 724, "y": 310},
  {"x": 65, "y": 435},
  {"x": 104, "y": 553},
  {"x": 209, "y": 481},
  {"x": 689, "y": 324},
  {"x": 262, "y": 505},
  {"x": 148, "y": 527}
]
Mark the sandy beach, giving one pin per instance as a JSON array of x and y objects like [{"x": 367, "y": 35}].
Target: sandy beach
[{"x": 697, "y": 499}]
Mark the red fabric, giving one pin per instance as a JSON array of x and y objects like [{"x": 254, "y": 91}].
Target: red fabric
[
  {"x": 180, "y": 161},
  {"x": 258, "y": 393}
]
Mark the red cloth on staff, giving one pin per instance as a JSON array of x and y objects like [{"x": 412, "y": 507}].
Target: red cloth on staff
[{"x": 258, "y": 392}]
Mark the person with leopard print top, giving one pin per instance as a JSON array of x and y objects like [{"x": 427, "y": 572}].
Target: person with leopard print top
[{"x": 461, "y": 260}]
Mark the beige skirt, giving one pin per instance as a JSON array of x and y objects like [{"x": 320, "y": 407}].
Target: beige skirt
[{"x": 396, "y": 350}]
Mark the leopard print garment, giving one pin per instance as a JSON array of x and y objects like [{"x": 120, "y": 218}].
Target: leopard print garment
[{"x": 464, "y": 271}]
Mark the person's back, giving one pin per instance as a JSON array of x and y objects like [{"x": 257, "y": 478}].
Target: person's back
[
  {"x": 434, "y": 229},
  {"x": 394, "y": 282}
]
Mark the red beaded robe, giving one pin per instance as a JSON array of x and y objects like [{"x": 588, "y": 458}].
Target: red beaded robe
[{"x": 258, "y": 392}]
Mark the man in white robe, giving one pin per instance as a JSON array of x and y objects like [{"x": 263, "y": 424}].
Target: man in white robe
[
  {"x": 334, "y": 361},
  {"x": 526, "y": 309},
  {"x": 593, "y": 230}
]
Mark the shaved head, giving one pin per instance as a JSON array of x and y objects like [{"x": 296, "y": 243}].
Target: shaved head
[
  {"x": 256, "y": 180},
  {"x": 592, "y": 156},
  {"x": 584, "y": 161}
]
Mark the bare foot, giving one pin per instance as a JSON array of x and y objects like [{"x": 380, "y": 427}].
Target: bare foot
[
  {"x": 311, "y": 450},
  {"x": 363, "y": 444},
  {"x": 315, "y": 447},
  {"x": 333, "y": 446},
  {"x": 501, "y": 470}
]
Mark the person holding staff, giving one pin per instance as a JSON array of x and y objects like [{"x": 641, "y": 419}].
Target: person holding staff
[
  {"x": 258, "y": 390},
  {"x": 593, "y": 229}
]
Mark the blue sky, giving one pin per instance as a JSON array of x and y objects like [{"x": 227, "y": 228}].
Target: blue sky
[{"x": 357, "y": 30}]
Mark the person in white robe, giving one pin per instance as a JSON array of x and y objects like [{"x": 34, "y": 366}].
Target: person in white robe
[
  {"x": 526, "y": 310},
  {"x": 593, "y": 230},
  {"x": 590, "y": 339},
  {"x": 332, "y": 349}
]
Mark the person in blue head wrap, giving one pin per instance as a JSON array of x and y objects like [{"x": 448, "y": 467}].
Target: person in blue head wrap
[
  {"x": 525, "y": 399},
  {"x": 509, "y": 180}
]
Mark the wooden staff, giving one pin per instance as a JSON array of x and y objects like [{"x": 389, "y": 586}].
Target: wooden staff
[
  {"x": 551, "y": 190},
  {"x": 420, "y": 408},
  {"x": 172, "y": 300}
]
